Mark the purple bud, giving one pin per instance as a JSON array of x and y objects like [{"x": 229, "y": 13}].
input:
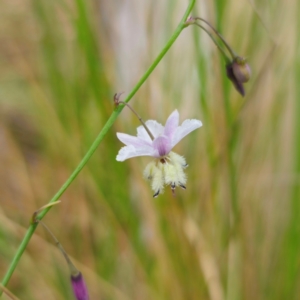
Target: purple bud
[
  {"x": 239, "y": 72},
  {"x": 241, "y": 69},
  {"x": 79, "y": 287},
  {"x": 238, "y": 85}
]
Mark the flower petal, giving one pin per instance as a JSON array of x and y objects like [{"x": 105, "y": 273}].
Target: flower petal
[
  {"x": 171, "y": 124},
  {"x": 132, "y": 140},
  {"x": 162, "y": 146},
  {"x": 79, "y": 287},
  {"x": 186, "y": 127},
  {"x": 155, "y": 128},
  {"x": 130, "y": 151}
]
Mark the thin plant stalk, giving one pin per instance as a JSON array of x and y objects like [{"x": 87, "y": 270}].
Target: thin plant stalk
[
  {"x": 233, "y": 54},
  {"x": 139, "y": 117},
  {"x": 95, "y": 145},
  {"x": 227, "y": 60},
  {"x": 73, "y": 269}
]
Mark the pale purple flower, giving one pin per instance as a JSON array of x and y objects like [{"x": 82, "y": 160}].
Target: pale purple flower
[{"x": 168, "y": 166}]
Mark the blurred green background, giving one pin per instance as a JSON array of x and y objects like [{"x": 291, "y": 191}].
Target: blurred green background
[{"x": 234, "y": 233}]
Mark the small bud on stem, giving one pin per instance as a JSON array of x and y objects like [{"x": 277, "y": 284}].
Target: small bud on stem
[
  {"x": 237, "y": 69},
  {"x": 238, "y": 72},
  {"x": 237, "y": 84},
  {"x": 241, "y": 69},
  {"x": 79, "y": 287}
]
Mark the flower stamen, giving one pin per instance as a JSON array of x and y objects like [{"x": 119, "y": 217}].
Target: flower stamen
[
  {"x": 182, "y": 186},
  {"x": 156, "y": 194}
]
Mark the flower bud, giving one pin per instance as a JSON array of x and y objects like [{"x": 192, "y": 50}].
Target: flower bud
[
  {"x": 237, "y": 84},
  {"x": 241, "y": 69},
  {"x": 79, "y": 287},
  {"x": 239, "y": 72}
]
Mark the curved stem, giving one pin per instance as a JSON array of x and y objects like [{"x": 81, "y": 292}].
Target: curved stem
[
  {"x": 227, "y": 59},
  {"x": 140, "y": 119},
  {"x": 95, "y": 144},
  {"x": 233, "y": 54},
  {"x": 73, "y": 270}
]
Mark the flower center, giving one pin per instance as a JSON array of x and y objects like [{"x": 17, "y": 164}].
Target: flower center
[
  {"x": 167, "y": 170},
  {"x": 162, "y": 145},
  {"x": 163, "y": 160}
]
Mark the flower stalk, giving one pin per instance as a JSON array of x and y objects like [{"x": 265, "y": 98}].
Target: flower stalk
[
  {"x": 232, "y": 53},
  {"x": 118, "y": 102}
]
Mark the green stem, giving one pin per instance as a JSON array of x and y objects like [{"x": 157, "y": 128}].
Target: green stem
[{"x": 95, "y": 144}]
